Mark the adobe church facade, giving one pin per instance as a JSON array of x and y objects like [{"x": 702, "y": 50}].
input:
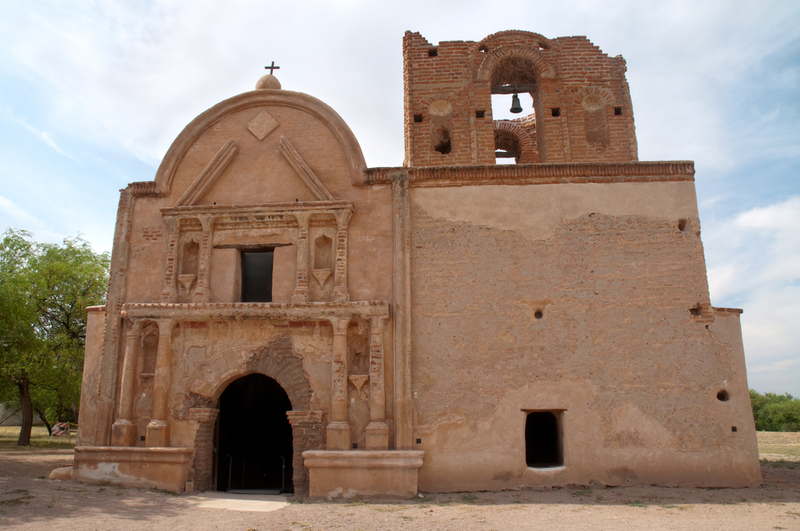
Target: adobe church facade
[{"x": 281, "y": 317}]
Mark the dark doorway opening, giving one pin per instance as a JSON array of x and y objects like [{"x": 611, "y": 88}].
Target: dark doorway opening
[
  {"x": 254, "y": 438},
  {"x": 543, "y": 439},
  {"x": 257, "y": 275}
]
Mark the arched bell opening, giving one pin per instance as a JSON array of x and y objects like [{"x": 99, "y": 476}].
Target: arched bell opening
[
  {"x": 253, "y": 437},
  {"x": 514, "y": 89}
]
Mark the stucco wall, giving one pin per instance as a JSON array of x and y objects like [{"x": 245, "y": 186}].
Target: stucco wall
[{"x": 615, "y": 348}]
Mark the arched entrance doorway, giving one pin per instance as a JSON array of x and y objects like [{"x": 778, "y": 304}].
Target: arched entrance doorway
[{"x": 254, "y": 438}]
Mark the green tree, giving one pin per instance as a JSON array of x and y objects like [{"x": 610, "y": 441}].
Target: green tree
[
  {"x": 773, "y": 412},
  {"x": 41, "y": 353}
]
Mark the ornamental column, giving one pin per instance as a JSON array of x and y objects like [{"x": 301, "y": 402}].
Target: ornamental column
[
  {"x": 337, "y": 434},
  {"x": 377, "y": 429},
  {"x": 201, "y": 292},
  {"x": 158, "y": 428},
  {"x": 123, "y": 432},
  {"x": 341, "y": 293},
  {"x": 170, "y": 291},
  {"x": 300, "y": 295}
]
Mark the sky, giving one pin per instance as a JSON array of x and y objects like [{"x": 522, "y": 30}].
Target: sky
[{"x": 93, "y": 93}]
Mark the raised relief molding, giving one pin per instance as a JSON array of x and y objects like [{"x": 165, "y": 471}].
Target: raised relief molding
[
  {"x": 209, "y": 174},
  {"x": 516, "y": 174},
  {"x": 305, "y": 173}
]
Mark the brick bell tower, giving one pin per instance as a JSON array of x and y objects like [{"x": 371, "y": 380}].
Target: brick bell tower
[{"x": 579, "y": 97}]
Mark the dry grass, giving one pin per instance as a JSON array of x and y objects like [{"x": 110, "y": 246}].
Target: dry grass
[
  {"x": 778, "y": 445},
  {"x": 39, "y": 438}
]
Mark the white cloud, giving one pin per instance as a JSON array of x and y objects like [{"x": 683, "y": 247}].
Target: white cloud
[
  {"x": 13, "y": 216},
  {"x": 46, "y": 137},
  {"x": 754, "y": 263}
]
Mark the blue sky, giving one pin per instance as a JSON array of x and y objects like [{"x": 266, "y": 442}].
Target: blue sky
[{"x": 93, "y": 93}]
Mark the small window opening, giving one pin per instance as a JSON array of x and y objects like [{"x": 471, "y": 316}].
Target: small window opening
[
  {"x": 734, "y": 429},
  {"x": 617, "y": 111},
  {"x": 483, "y": 48},
  {"x": 355, "y": 446},
  {"x": 696, "y": 310},
  {"x": 555, "y": 111},
  {"x": 257, "y": 275},
  {"x": 418, "y": 118},
  {"x": 480, "y": 114},
  {"x": 723, "y": 396},
  {"x": 682, "y": 224},
  {"x": 443, "y": 145},
  {"x": 433, "y": 52},
  {"x": 538, "y": 314},
  {"x": 543, "y": 439}
]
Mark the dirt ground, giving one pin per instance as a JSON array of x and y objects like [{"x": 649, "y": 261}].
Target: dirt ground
[{"x": 29, "y": 501}]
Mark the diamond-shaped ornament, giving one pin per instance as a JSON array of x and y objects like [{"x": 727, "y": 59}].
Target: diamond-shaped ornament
[{"x": 262, "y": 125}]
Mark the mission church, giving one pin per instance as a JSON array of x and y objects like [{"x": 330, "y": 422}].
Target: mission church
[{"x": 280, "y": 317}]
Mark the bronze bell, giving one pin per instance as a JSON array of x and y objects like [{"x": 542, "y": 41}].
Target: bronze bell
[{"x": 516, "y": 108}]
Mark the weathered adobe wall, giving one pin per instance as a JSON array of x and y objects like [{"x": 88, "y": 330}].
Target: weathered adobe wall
[
  {"x": 616, "y": 347},
  {"x": 260, "y": 174},
  {"x": 573, "y": 76}
]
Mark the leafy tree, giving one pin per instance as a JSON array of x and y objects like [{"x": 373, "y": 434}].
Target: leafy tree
[
  {"x": 48, "y": 287},
  {"x": 773, "y": 412}
]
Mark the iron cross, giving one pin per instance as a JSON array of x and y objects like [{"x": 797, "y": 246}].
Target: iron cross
[{"x": 272, "y": 67}]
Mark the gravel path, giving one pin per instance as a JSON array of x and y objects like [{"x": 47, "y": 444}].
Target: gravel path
[{"x": 28, "y": 501}]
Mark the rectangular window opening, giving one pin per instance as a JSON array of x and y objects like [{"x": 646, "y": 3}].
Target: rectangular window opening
[
  {"x": 418, "y": 118},
  {"x": 480, "y": 114},
  {"x": 257, "y": 275},
  {"x": 543, "y": 439},
  {"x": 433, "y": 52},
  {"x": 617, "y": 111},
  {"x": 555, "y": 111}
]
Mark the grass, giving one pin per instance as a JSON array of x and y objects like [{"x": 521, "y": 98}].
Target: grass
[
  {"x": 39, "y": 438},
  {"x": 779, "y": 449}
]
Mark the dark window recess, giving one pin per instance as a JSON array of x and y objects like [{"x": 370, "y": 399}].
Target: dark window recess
[
  {"x": 617, "y": 111},
  {"x": 433, "y": 52},
  {"x": 442, "y": 142},
  {"x": 257, "y": 275},
  {"x": 418, "y": 118},
  {"x": 480, "y": 114},
  {"x": 555, "y": 111},
  {"x": 543, "y": 440}
]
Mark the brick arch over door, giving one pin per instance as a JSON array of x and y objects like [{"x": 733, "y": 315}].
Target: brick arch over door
[{"x": 277, "y": 361}]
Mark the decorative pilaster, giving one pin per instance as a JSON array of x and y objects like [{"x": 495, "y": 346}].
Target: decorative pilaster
[
  {"x": 338, "y": 431},
  {"x": 307, "y": 434},
  {"x": 170, "y": 291},
  {"x": 403, "y": 403},
  {"x": 341, "y": 293},
  {"x": 158, "y": 428},
  {"x": 378, "y": 429},
  {"x": 203, "y": 446},
  {"x": 300, "y": 295},
  {"x": 123, "y": 431},
  {"x": 202, "y": 293}
]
